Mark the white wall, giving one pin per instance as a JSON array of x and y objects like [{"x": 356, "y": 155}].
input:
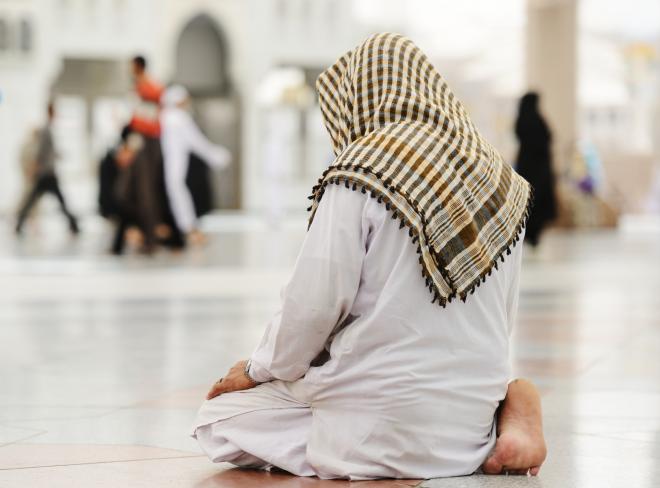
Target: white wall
[{"x": 262, "y": 34}]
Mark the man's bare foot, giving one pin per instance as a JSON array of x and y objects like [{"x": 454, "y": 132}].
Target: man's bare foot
[
  {"x": 134, "y": 237},
  {"x": 163, "y": 231},
  {"x": 196, "y": 238},
  {"x": 520, "y": 446}
]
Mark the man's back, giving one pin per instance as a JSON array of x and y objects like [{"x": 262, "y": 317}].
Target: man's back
[{"x": 409, "y": 384}]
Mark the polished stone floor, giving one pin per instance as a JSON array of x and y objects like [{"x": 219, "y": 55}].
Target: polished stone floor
[{"x": 104, "y": 360}]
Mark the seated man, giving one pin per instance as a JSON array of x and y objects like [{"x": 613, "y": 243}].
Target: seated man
[{"x": 389, "y": 355}]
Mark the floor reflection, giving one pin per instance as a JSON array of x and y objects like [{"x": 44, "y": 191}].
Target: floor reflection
[{"x": 103, "y": 361}]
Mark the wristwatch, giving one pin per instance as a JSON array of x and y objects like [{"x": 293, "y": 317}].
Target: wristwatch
[{"x": 246, "y": 372}]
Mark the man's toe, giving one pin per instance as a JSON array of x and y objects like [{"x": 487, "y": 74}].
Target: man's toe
[{"x": 492, "y": 465}]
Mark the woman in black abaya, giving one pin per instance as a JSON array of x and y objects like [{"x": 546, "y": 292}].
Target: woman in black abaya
[{"x": 534, "y": 163}]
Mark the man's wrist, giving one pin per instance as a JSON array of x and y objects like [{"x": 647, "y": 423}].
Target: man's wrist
[{"x": 246, "y": 372}]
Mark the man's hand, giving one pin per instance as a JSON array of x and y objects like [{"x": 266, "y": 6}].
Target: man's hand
[{"x": 235, "y": 380}]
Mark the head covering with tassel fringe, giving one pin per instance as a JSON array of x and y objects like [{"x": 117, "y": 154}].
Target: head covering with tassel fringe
[{"x": 400, "y": 134}]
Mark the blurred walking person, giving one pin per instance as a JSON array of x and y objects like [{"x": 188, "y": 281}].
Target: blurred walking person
[
  {"x": 152, "y": 206},
  {"x": 117, "y": 189},
  {"x": 180, "y": 139},
  {"x": 149, "y": 91},
  {"x": 145, "y": 123},
  {"x": 45, "y": 177},
  {"x": 534, "y": 163}
]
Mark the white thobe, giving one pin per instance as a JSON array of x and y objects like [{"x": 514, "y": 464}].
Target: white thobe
[
  {"x": 408, "y": 389},
  {"x": 180, "y": 137}
]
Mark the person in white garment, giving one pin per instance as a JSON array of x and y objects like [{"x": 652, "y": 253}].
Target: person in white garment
[
  {"x": 180, "y": 137},
  {"x": 389, "y": 356}
]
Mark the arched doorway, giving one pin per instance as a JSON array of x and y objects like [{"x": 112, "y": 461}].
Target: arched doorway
[{"x": 202, "y": 67}]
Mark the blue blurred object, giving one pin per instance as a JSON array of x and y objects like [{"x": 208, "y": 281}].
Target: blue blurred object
[{"x": 593, "y": 179}]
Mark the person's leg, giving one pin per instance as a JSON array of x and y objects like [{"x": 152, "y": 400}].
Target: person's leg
[
  {"x": 260, "y": 439},
  {"x": 33, "y": 197},
  {"x": 146, "y": 175},
  {"x": 178, "y": 194},
  {"x": 176, "y": 238},
  {"x": 261, "y": 428},
  {"x": 520, "y": 445},
  {"x": 53, "y": 186},
  {"x": 219, "y": 449},
  {"x": 120, "y": 236}
]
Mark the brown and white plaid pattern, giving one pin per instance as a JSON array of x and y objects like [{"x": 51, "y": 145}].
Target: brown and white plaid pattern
[{"x": 399, "y": 133}]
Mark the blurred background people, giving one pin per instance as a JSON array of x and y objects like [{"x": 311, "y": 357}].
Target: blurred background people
[
  {"x": 145, "y": 191},
  {"x": 117, "y": 186},
  {"x": 181, "y": 138},
  {"x": 124, "y": 182},
  {"x": 534, "y": 163},
  {"x": 148, "y": 167},
  {"x": 45, "y": 177},
  {"x": 217, "y": 51}
]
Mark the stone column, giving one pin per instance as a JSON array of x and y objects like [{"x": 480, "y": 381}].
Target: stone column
[{"x": 551, "y": 52}]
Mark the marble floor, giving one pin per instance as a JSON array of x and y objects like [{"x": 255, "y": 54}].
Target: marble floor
[{"x": 104, "y": 360}]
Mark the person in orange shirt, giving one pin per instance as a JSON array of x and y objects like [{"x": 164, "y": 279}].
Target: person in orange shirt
[
  {"x": 153, "y": 214},
  {"x": 145, "y": 117}
]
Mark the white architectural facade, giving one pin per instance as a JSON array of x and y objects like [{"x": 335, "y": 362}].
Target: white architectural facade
[
  {"x": 260, "y": 35},
  {"x": 78, "y": 52}
]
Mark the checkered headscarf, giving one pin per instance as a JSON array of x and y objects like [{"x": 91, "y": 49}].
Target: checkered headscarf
[{"x": 399, "y": 133}]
